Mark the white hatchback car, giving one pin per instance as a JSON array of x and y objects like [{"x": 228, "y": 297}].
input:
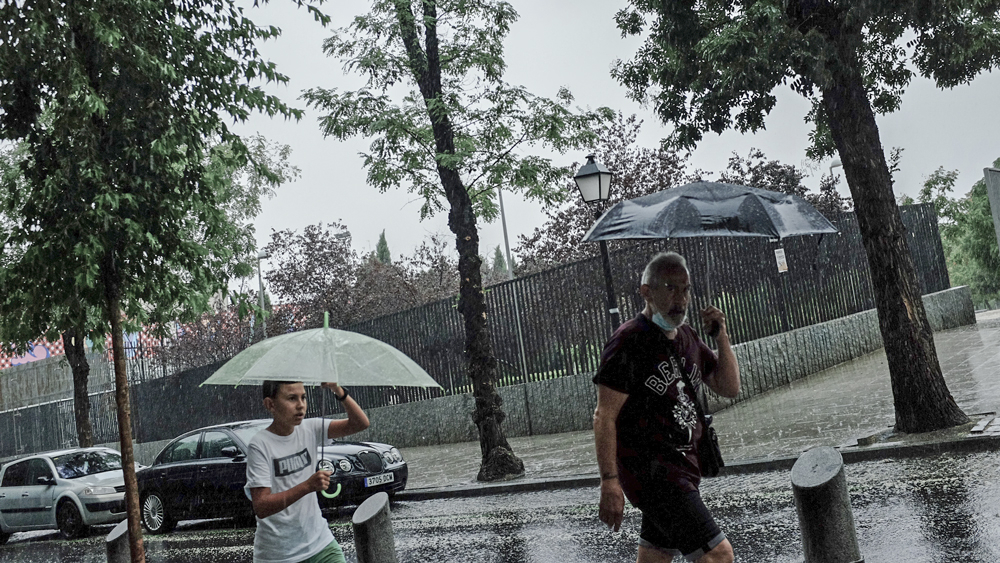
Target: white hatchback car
[{"x": 66, "y": 489}]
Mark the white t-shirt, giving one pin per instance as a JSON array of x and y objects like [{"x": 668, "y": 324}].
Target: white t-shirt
[{"x": 281, "y": 462}]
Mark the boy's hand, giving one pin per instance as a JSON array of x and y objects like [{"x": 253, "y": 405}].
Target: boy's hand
[
  {"x": 335, "y": 387},
  {"x": 318, "y": 481}
]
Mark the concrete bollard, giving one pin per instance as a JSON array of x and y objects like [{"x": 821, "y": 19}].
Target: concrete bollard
[
  {"x": 824, "y": 507},
  {"x": 117, "y": 544},
  {"x": 372, "y": 523}
]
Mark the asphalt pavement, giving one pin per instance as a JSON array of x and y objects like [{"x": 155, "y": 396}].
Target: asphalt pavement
[{"x": 849, "y": 407}]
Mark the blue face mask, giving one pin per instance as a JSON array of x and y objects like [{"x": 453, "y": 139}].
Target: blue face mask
[{"x": 664, "y": 323}]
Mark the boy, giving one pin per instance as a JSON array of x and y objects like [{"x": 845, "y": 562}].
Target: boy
[{"x": 281, "y": 475}]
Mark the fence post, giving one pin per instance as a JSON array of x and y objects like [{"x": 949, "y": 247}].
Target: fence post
[
  {"x": 824, "y": 508},
  {"x": 117, "y": 544},
  {"x": 372, "y": 524}
]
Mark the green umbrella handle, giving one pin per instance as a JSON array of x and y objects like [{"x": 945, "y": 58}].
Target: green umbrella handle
[{"x": 329, "y": 495}]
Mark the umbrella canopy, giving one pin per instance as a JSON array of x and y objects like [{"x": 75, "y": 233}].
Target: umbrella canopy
[
  {"x": 710, "y": 209},
  {"x": 319, "y": 355}
]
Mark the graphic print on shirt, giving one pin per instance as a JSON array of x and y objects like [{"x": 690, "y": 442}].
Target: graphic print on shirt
[
  {"x": 685, "y": 414},
  {"x": 294, "y": 463},
  {"x": 667, "y": 375},
  {"x": 695, "y": 375}
]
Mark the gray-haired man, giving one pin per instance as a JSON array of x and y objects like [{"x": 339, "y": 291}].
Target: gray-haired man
[{"x": 646, "y": 426}]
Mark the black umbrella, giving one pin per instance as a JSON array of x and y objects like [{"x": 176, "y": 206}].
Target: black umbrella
[{"x": 710, "y": 209}]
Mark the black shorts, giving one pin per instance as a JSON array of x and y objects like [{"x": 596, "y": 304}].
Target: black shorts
[{"x": 677, "y": 523}]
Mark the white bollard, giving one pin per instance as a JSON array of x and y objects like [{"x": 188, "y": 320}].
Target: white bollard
[{"x": 372, "y": 525}]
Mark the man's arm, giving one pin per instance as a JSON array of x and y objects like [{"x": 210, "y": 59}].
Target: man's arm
[
  {"x": 612, "y": 504},
  {"x": 266, "y": 504},
  {"x": 356, "y": 420},
  {"x": 725, "y": 380}
]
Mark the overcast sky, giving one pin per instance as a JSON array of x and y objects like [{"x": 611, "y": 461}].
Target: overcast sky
[{"x": 571, "y": 44}]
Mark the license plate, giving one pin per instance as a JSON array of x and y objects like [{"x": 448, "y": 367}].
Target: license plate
[{"x": 379, "y": 479}]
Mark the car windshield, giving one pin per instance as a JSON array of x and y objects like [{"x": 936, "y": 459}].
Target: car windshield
[
  {"x": 80, "y": 464},
  {"x": 247, "y": 431}
]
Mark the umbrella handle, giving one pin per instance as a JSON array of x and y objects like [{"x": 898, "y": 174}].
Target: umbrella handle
[
  {"x": 322, "y": 448},
  {"x": 332, "y": 495},
  {"x": 714, "y": 328}
]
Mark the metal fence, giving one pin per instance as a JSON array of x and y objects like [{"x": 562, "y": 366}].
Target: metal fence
[
  {"x": 563, "y": 321},
  {"x": 563, "y": 316}
]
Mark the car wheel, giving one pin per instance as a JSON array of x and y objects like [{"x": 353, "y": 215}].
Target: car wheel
[
  {"x": 154, "y": 515},
  {"x": 69, "y": 520},
  {"x": 4, "y": 537}
]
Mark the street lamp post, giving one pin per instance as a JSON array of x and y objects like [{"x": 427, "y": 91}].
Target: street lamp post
[
  {"x": 260, "y": 284},
  {"x": 513, "y": 290},
  {"x": 594, "y": 183}
]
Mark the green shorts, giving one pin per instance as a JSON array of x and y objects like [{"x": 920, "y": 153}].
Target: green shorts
[{"x": 330, "y": 554}]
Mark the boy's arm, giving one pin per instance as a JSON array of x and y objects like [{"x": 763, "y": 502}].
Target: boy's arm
[
  {"x": 356, "y": 420},
  {"x": 266, "y": 504}
]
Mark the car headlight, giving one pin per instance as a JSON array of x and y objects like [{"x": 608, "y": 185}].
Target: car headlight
[
  {"x": 344, "y": 465},
  {"x": 94, "y": 491},
  {"x": 396, "y": 454}
]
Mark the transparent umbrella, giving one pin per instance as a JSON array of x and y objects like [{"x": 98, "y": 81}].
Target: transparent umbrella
[
  {"x": 322, "y": 355},
  {"x": 319, "y": 355}
]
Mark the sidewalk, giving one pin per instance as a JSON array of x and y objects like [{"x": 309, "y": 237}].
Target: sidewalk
[{"x": 837, "y": 407}]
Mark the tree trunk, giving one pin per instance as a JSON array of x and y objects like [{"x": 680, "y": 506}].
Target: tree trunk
[
  {"x": 921, "y": 397},
  {"x": 498, "y": 460},
  {"x": 113, "y": 297},
  {"x": 76, "y": 354}
]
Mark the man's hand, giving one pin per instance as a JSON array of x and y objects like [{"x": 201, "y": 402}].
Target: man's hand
[
  {"x": 612, "y": 507},
  {"x": 318, "y": 481},
  {"x": 712, "y": 317}
]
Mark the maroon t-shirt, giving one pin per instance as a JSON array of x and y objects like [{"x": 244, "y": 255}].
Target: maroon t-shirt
[{"x": 658, "y": 426}]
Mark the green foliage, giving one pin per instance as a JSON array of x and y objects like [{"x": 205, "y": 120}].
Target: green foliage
[
  {"x": 382, "y": 253},
  {"x": 493, "y": 122},
  {"x": 713, "y": 66},
  {"x": 967, "y": 233},
  {"x": 121, "y": 108}
]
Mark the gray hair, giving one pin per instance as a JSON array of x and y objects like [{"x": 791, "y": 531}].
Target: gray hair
[{"x": 661, "y": 264}]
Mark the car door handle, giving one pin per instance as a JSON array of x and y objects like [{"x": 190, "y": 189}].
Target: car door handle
[{"x": 25, "y": 494}]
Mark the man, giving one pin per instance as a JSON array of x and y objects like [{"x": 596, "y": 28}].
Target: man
[
  {"x": 646, "y": 426},
  {"x": 282, "y": 475}
]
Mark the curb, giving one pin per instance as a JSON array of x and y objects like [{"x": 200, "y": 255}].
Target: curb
[{"x": 851, "y": 454}]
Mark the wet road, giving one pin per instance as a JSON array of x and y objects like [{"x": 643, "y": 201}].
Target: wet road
[{"x": 940, "y": 509}]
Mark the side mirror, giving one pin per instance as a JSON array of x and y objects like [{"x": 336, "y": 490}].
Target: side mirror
[
  {"x": 47, "y": 481},
  {"x": 231, "y": 451}
]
